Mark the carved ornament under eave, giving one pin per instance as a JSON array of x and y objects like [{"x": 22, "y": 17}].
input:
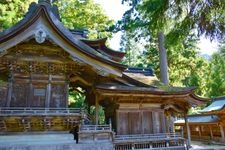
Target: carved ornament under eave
[{"x": 40, "y": 35}]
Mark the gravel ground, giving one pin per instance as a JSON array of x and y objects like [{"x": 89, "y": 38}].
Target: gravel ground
[{"x": 196, "y": 145}]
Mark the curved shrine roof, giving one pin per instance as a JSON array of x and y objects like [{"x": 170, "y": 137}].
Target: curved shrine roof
[
  {"x": 44, "y": 9},
  {"x": 100, "y": 46},
  {"x": 197, "y": 119},
  {"x": 217, "y": 104}
]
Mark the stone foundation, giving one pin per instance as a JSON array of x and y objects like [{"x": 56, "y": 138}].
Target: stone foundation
[{"x": 49, "y": 142}]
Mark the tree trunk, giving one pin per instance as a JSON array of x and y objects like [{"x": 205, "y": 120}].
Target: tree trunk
[{"x": 163, "y": 59}]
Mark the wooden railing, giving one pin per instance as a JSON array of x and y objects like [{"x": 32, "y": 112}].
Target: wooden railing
[
  {"x": 21, "y": 119},
  {"x": 149, "y": 141},
  {"x": 96, "y": 128},
  {"x": 89, "y": 133},
  {"x": 9, "y": 111},
  {"x": 87, "y": 118}
]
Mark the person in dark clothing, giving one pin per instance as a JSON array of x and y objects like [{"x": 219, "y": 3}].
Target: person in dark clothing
[{"x": 75, "y": 131}]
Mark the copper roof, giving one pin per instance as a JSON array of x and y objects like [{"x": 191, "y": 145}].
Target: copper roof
[
  {"x": 197, "y": 119},
  {"x": 217, "y": 104}
]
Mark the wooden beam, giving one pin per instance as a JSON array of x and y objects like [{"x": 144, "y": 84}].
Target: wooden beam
[
  {"x": 222, "y": 132},
  {"x": 188, "y": 132},
  {"x": 96, "y": 109},
  {"x": 136, "y": 94},
  {"x": 67, "y": 93},
  {"x": 211, "y": 133},
  {"x": 48, "y": 93},
  {"x": 30, "y": 95},
  {"x": 10, "y": 87},
  {"x": 200, "y": 131}
]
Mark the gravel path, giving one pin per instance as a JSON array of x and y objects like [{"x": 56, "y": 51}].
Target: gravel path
[{"x": 196, "y": 145}]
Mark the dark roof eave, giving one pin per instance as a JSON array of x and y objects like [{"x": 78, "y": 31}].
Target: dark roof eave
[
  {"x": 132, "y": 91},
  {"x": 205, "y": 100},
  {"x": 105, "y": 49}
]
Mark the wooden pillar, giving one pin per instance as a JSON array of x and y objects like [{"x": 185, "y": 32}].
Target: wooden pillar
[
  {"x": 222, "y": 132},
  {"x": 167, "y": 123},
  {"x": 10, "y": 87},
  {"x": 188, "y": 132},
  {"x": 170, "y": 123},
  {"x": 182, "y": 131},
  {"x": 211, "y": 133},
  {"x": 30, "y": 96},
  {"x": 163, "y": 122},
  {"x": 48, "y": 92},
  {"x": 9, "y": 93},
  {"x": 96, "y": 109},
  {"x": 199, "y": 132},
  {"x": 67, "y": 92}
]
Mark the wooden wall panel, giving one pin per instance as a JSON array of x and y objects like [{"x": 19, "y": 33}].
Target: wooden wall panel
[
  {"x": 19, "y": 95},
  {"x": 135, "y": 123},
  {"x": 147, "y": 124},
  {"x": 38, "y": 95},
  {"x": 139, "y": 121},
  {"x": 3, "y": 96},
  {"x": 58, "y": 95},
  {"x": 162, "y": 122},
  {"x": 156, "y": 122},
  {"x": 122, "y": 123}
]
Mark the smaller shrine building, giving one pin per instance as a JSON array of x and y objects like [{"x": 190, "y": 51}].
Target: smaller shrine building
[{"x": 209, "y": 124}]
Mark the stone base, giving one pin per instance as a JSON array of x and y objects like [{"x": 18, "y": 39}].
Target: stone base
[{"x": 49, "y": 142}]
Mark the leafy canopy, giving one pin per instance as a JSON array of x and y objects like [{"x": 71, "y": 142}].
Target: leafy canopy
[
  {"x": 86, "y": 14},
  {"x": 11, "y": 11},
  {"x": 75, "y": 14}
]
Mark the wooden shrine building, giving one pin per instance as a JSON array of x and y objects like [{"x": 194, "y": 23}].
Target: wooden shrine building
[
  {"x": 40, "y": 60},
  {"x": 209, "y": 124}
]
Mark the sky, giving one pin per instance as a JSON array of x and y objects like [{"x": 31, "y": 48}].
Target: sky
[{"x": 114, "y": 9}]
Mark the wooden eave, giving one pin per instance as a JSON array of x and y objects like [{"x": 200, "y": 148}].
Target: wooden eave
[
  {"x": 141, "y": 90},
  {"x": 186, "y": 95},
  {"x": 105, "y": 92},
  {"x": 100, "y": 43},
  {"x": 212, "y": 112},
  {"x": 196, "y": 123},
  {"x": 36, "y": 11}
]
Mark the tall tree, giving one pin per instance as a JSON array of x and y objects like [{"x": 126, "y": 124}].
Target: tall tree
[
  {"x": 216, "y": 76},
  {"x": 179, "y": 20}
]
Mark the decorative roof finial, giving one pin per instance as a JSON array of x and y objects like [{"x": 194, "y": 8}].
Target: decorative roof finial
[{"x": 45, "y": 1}]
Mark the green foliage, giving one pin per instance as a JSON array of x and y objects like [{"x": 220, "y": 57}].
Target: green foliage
[
  {"x": 101, "y": 114},
  {"x": 182, "y": 22},
  {"x": 133, "y": 51},
  {"x": 11, "y": 11},
  {"x": 77, "y": 14},
  {"x": 77, "y": 98},
  {"x": 216, "y": 75},
  {"x": 180, "y": 17}
]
